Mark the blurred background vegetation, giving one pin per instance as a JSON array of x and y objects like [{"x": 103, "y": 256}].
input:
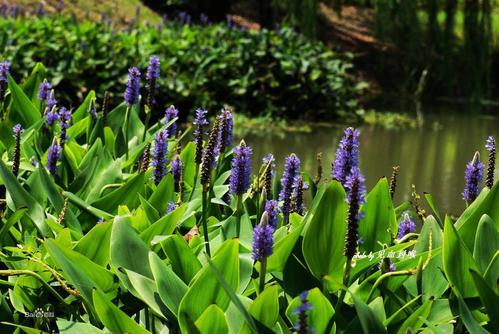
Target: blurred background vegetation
[{"x": 426, "y": 50}]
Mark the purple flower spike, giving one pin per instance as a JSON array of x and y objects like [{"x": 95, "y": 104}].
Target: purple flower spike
[
  {"x": 44, "y": 90},
  {"x": 272, "y": 209},
  {"x": 54, "y": 155},
  {"x": 17, "y": 130},
  {"x": 160, "y": 158},
  {"x": 171, "y": 206},
  {"x": 473, "y": 177},
  {"x": 152, "y": 76},
  {"x": 51, "y": 117},
  {"x": 301, "y": 311},
  {"x": 241, "y": 169},
  {"x": 268, "y": 163},
  {"x": 347, "y": 155},
  {"x": 355, "y": 197},
  {"x": 132, "y": 90},
  {"x": 406, "y": 225},
  {"x": 200, "y": 121},
  {"x": 491, "y": 165},
  {"x": 226, "y": 129},
  {"x": 177, "y": 171},
  {"x": 51, "y": 101},
  {"x": 291, "y": 171},
  {"x": 171, "y": 113},
  {"x": 262, "y": 239},
  {"x": 64, "y": 122},
  {"x": 4, "y": 74}
]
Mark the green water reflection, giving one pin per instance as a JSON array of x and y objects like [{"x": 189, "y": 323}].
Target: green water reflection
[{"x": 432, "y": 157}]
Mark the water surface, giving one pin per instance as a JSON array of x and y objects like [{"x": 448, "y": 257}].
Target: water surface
[{"x": 433, "y": 157}]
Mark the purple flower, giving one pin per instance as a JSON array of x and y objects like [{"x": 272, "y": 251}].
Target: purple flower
[
  {"x": 177, "y": 171},
  {"x": 44, "y": 90},
  {"x": 272, "y": 209},
  {"x": 262, "y": 239},
  {"x": 4, "y": 73},
  {"x": 17, "y": 130},
  {"x": 171, "y": 113},
  {"x": 53, "y": 156},
  {"x": 241, "y": 169},
  {"x": 51, "y": 101},
  {"x": 33, "y": 162},
  {"x": 392, "y": 267},
  {"x": 297, "y": 196},
  {"x": 132, "y": 90},
  {"x": 226, "y": 129},
  {"x": 347, "y": 155},
  {"x": 152, "y": 75},
  {"x": 4, "y": 70},
  {"x": 355, "y": 197},
  {"x": 203, "y": 18},
  {"x": 51, "y": 117},
  {"x": 301, "y": 311},
  {"x": 473, "y": 177},
  {"x": 406, "y": 225},
  {"x": 64, "y": 122},
  {"x": 200, "y": 121},
  {"x": 171, "y": 206},
  {"x": 209, "y": 155},
  {"x": 160, "y": 158},
  {"x": 491, "y": 165},
  {"x": 291, "y": 171}
]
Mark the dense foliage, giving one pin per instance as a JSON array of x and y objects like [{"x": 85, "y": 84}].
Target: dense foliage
[
  {"x": 108, "y": 226},
  {"x": 277, "y": 73}
]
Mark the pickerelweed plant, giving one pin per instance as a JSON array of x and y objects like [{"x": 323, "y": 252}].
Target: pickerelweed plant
[{"x": 105, "y": 229}]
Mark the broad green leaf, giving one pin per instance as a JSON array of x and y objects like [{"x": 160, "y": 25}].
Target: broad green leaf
[
  {"x": 378, "y": 217},
  {"x": 170, "y": 287},
  {"x": 82, "y": 110},
  {"x": 414, "y": 321},
  {"x": 489, "y": 298},
  {"x": 323, "y": 241},
  {"x": 22, "y": 199},
  {"x": 368, "y": 320},
  {"x": 485, "y": 203},
  {"x": 184, "y": 263},
  {"x": 128, "y": 251},
  {"x": 145, "y": 289},
  {"x": 95, "y": 244},
  {"x": 212, "y": 321},
  {"x": 457, "y": 260},
  {"x": 469, "y": 321},
  {"x": 32, "y": 84},
  {"x": 206, "y": 288},
  {"x": 113, "y": 318},
  {"x": 265, "y": 307},
  {"x": 124, "y": 195},
  {"x": 80, "y": 271},
  {"x": 72, "y": 327},
  {"x": 486, "y": 243},
  {"x": 22, "y": 110}
]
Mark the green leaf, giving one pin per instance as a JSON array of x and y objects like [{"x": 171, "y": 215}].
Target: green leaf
[
  {"x": 95, "y": 244},
  {"x": 146, "y": 290},
  {"x": 32, "y": 84},
  {"x": 486, "y": 243},
  {"x": 124, "y": 195},
  {"x": 206, "y": 288},
  {"x": 414, "y": 321},
  {"x": 368, "y": 320},
  {"x": 457, "y": 260},
  {"x": 22, "y": 107},
  {"x": 113, "y": 318},
  {"x": 184, "y": 263},
  {"x": 82, "y": 110},
  {"x": 22, "y": 199},
  {"x": 489, "y": 298},
  {"x": 323, "y": 241},
  {"x": 80, "y": 271},
  {"x": 467, "y": 317},
  {"x": 265, "y": 307},
  {"x": 379, "y": 216},
  {"x": 485, "y": 203},
  {"x": 128, "y": 251},
  {"x": 170, "y": 287},
  {"x": 72, "y": 327},
  {"x": 212, "y": 321}
]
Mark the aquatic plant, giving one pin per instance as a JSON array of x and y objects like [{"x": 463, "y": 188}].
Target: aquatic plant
[
  {"x": 347, "y": 155},
  {"x": 473, "y": 177},
  {"x": 83, "y": 224}
]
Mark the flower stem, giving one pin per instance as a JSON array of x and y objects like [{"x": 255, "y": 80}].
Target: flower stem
[
  {"x": 205, "y": 223},
  {"x": 126, "y": 130},
  {"x": 346, "y": 279},
  {"x": 239, "y": 213},
  {"x": 263, "y": 272},
  {"x": 195, "y": 181}
]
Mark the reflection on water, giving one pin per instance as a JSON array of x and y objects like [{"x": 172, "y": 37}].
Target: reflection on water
[{"x": 432, "y": 157}]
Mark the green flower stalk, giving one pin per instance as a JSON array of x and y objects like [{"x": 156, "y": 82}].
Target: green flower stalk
[{"x": 318, "y": 177}]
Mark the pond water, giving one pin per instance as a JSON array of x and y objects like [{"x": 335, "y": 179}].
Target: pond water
[{"x": 432, "y": 157}]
